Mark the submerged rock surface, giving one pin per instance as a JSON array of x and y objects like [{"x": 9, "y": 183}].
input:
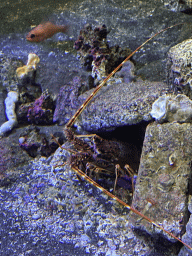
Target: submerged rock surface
[
  {"x": 164, "y": 179},
  {"x": 179, "y": 67},
  {"x": 121, "y": 104},
  {"x": 170, "y": 108}
]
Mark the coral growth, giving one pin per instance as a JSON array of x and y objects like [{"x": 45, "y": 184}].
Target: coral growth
[
  {"x": 38, "y": 112},
  {"x": 14, "y": 84},
  {"x": 42, "y": 110},
  {"x": 29, "y": 68},
  {"x": 172, "y": 108},
  {"x": 12, "y": 98},
  {"x": 95, "y": 53}
]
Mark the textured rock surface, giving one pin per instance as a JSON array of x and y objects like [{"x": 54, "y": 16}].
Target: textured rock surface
[
  {"x": 34, "y": 142},
  {"x": 41, "y": 111},
  {"x": 177, "y": 5},
  {"x": 67, "y": 101},
  {"x": 121, "y": 104},
  {"x": 170, "y": 108},
  {"x": 163, "y": 178},
  {"x": 49, "y": 198},
  {"x": 188, "y": 2},
  {"x": 13, "y": 159},
  {"x": 95, "y": 53},
  {"x": 187, "y": 238},
  {"x": 8, "y": 68},
  {"x": 179, "y": 67}
]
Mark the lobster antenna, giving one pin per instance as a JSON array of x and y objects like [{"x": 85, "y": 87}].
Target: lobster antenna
[
  {"x": 87, "y": 178},
  {"x": 83, "y": 106}
]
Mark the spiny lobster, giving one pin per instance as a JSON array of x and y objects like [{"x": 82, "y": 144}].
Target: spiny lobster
[{"x": 86, "y": 155}]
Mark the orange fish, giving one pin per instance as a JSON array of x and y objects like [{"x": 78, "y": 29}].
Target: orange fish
[{"x": 44, "y": 31}]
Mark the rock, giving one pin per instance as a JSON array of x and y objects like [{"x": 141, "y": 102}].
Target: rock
[
  {"x": 171, "y": 5},
  {"x": 8, "y": 67},
  {"x": 120, "y": 104},
  {"x": 67, "y": 101},
  {"x": 163, "y": 179},
  {"x": 187, "y": 238},
  {"x": 12, "y": 159},
  {"x": 31, "y": 140},
  {"x": 95, "y": 53},
  {"x": 56, "y": 194},
  {"x": 41, "y": 111},
  {"x": 29, "y": 93},
  {"x": 176, "y": 5},
  {"x": 127, "y": 72},
  {"x": 188, "y": 2},
  {"x": 172, "y": 108},
  {"x": 38, "y": 112},
  {"x": 19, "y": 82},
  {"x": 36, "y": 143},
  {"x": 179, "y": 67}
]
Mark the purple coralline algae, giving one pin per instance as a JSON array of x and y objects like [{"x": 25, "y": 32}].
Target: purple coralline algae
[
  {"x": 67, "y": 101},
  {"x": 38, "y": 112},
  {"x": 95, "y": 52},
  {"x": 41, "y": 112}
]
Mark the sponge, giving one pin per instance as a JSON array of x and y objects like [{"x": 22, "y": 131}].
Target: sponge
[{"x": 12, "y": 98}]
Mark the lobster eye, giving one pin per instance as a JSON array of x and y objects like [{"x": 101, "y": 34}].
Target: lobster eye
[{"x": 32, "y": 35}]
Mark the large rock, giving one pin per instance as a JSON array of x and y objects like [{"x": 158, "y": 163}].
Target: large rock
[
  {"x": 121, "y": 104},
  {"x": 172, "y": 108},
  {"x": 163, "y": 179},
  {"x": 187, "y": 238},
  {"x": 179, "y": 67}
]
